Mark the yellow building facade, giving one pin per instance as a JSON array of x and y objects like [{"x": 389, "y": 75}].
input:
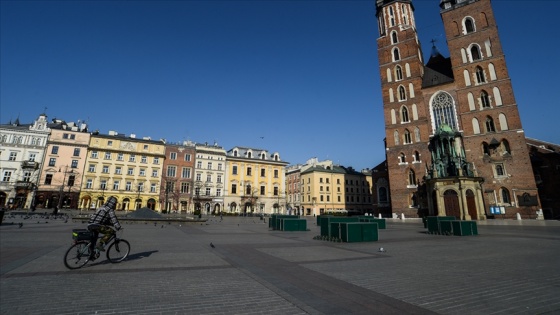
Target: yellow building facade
[
  {"x": 126, "y": 167},
  {"x": 255, "y": 182}
]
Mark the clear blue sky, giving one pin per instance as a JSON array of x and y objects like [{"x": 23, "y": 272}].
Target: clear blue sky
[{"x": 302, "y": 74}]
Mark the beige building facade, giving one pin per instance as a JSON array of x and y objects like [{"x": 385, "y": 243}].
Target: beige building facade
[{"x": 126, "y": 167}]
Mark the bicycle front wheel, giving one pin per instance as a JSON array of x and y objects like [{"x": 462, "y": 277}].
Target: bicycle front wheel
[
  {"x": 118, "y": 251},
  {"x": 77, "y": 255}
]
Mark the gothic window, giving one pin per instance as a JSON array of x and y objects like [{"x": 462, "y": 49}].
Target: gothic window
[
  {"x": 398, "y": 73},
  {"x": 469, "y": 25},
  {"x": 402, "y": 158},
  {"x": 404, "y": 14},
  {"x": 382, "y": 195},
  {"x": 404, "y": 114},
  {"x": 480, "y": 75},
  {"x": 402, "y": 93},
  {"x": 475, "y": 53},
  {"x": 416, "y": 156},
  {"x": 484, "y": 99},
  {"x": 500, "y": 171},
  {"x": 505, "y": 147},
  {"x": 505, "y": 195},
  {"x": 406, "y": 137},
  {"x": 443, "y": 111},
  {"x": 490, "y": 124},
  {"x": 411, "y": 177},
  {"x": 475, "y": 126},
  {"x": 394, "y": 38},
  {"x": 503, "y": 122},
  {"x": 396, "y": 135},
  {"x": 396, "y": 54},
  {"x": 392, "y": 16}
]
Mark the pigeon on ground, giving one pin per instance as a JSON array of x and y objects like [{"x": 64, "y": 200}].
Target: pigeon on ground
[
  {"x": 212, "y": 245},
  {"x": 20, "y": 225},
  {"x": 382, "y": 250}
]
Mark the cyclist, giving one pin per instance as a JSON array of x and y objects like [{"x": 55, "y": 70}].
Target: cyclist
[{"x": 101, "y": 222}]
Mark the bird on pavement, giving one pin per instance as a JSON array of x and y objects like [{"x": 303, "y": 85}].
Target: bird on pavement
[{"x": 212, "y": 245}]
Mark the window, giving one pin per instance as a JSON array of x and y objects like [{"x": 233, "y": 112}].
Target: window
[
  {"x": 443, "y": 111},
  {"x": 110, "y": 143},
  {"x": 208, "y": 178},
  {"x": 233, "y": 189},
  {"x": 209, "y": 165},
  {"x": 208, "y": 191},
  {"x": 394, "y": 38},
  {"x": 120, "y": 156},
  {"x": 156, "y": 160},
  {"x": 411, "y": 178},
  {"x": 155, "y": 173},
  {"x": 469, "y": 25},
  {"x": 402, "y": 93},
  {"x": 475, "y": 53},
  {"x": 107, "y": 156},
  {"x": 187, "y": 157},
  {"x": 144, "y": 159},
  {"x": 52, "y": 162},
  {"x": 91, "y": 168},
  {"x": 219, "y": 166},
  {"x": 140, "y": 186},
  {"x": 398, "y": 73},
  {"x": 186, "y": 172},
  {"x": 71, "y": 180},
  {"x": 76, "y": 151},
  {"x": 234, "y": 170},
  {"x": 275, "y": 173},
  {"x": 74, "y": 164},
  {"x": 407, "y": 139},
  {"x": 416, "y": 156},
  {"x": 218, "y": 192},
  {"x": 199, "y": 164},
  {"x": 402, "y": 158},
  {"x": 185, "y": 188},
  {"x": 173, "y": 155},
  {"x": 485, "y": 148},
  {"x": 500, "y": 170},
  {"x": 116, "y": 185},
  {"x": 13, "y": 156},
  {"x": 248, "y": 190},
  {"x": 94, "y": 154},
  {"x": 130, "y": 171},
  {"x": 171, "y": 171},
  {"x": 142, "y": 172},
  {"x": 263, "y": 172},
  {"x": 249, "y": 155},
  {"x": 249, "y": 171},
  {"x": 404, "y": 114},
  {"x": 275, "y": 191},
  {"x": 484, "y": 99},
  {"x": 132, "y": 158},
  {"x": 153, "y": 188},
  {"x": 262, "y": 190},
  {"x": 480, "y": 78},
  {"x": 396, "y": 55},
  {"x": 48, "y": 179},
  {"x": 105, "y": 169},
  {"x": 490, "y": 124},
  {"x": 505, "y": 195},
  {"x": 103, "y": 184},
  {"x": 54, "y": 149},
  {"x": 145, "y": 147},
  {"x": 219, "y": 178},
  {"x": 128, "y": 186},
  {"x": 32, "y": 157},
  {"x": 89, "y": 183}
]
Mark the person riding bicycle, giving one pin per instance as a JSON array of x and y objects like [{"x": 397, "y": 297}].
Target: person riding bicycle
[{"x": 101, "y": 222}]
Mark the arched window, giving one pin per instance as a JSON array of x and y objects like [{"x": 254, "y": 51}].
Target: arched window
[
  {"x": 396, "y": 54},
  {"x": 475, "y": 53},
  {"x": 396, "y": 135},
  {"x": 505, "y": 146},
  {"x": 416, "y": 156},
  {"x": 249, "y": 155},
  {"x": 500, "y": 170},
  {"x": 490, "y": 124},
  {"x": 398, "y": 73},
  {"x": 402, "y": 158},
  {"x": 475, "y": 126},
  {"x": 404, "y": 114},
  {"x": 443, "y": 110},
  {"x": 407, "y": 139},
  {"x": 417, "y": 134},
  {"x": 411, "y": 177},
  {"x": 382, "y": 195},
  {"x": 480, "y": 75},
  {"x": 484, "y": 99},
  {"x": 392, "y": 16},
  {"x": 469, "y": 25},
  {"x": 505, "y": 195},
  {"x": 503, "y": 122},
  {"x": 402, "y": 93},
  {"x": 394, "y": 38}
]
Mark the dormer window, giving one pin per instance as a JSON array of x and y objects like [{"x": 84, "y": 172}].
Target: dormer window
[{"x": 234, "y": 152}]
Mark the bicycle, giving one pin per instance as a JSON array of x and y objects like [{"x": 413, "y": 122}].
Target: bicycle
[{"x": 79, "y": 254}]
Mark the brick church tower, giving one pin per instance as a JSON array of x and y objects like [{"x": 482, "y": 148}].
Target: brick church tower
[{"x": 454, "y": 140}]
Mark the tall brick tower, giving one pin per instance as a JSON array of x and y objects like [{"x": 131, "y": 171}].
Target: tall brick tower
[{"x": 466, "y": 102}]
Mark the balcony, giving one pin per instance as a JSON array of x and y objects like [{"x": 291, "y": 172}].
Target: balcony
[{"x": 30, "y": 164}]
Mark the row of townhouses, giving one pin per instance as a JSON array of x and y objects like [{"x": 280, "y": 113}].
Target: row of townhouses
[{"x": 61, "y": 164}]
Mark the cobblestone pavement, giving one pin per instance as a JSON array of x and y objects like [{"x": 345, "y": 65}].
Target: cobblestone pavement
[{"x": 512, "y": 267}]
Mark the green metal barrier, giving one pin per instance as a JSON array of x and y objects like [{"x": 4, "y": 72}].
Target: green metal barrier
[
  {"x": 293, "y": 224},
  {"x": 327, "y": 221},
  {"x": 433, "y": 223}
]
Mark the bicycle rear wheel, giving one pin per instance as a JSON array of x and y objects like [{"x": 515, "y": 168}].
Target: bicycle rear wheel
[
  {"x": 118, "y": 251},
  {"x": 77, "y": 255}
]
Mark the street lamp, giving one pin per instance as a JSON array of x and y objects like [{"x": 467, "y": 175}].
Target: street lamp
[{"x": 60, "y": 195}]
